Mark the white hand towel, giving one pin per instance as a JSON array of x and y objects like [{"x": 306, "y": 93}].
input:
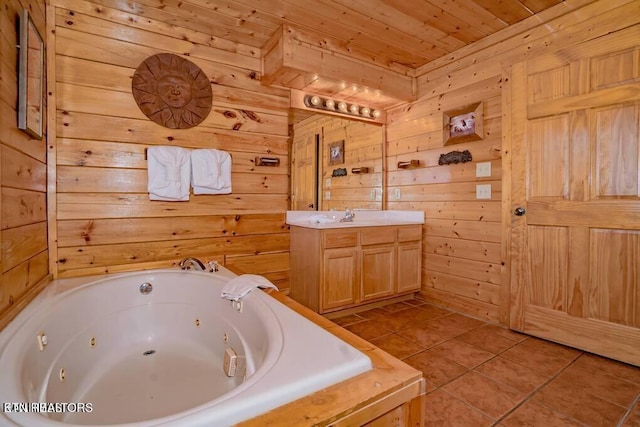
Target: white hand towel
[
  {"x": 169, "y": 170},
  {"x": 211, "y": 171},
  {"x": 240, "y": 286}
]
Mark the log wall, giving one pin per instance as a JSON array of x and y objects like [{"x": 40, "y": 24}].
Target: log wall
[
  {"x": 23, "y": 171},
  {"x": 104, "y": 219},
  {"x": 466, "y": 257}
]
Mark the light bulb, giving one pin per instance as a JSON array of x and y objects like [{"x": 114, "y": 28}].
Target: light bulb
[
  {"x": 354, "y": 109},
  {"x": 315, "y": 100},
  {"x": 330, "y": 103},
  {"x": 376, "y": 113},
  {"x": 365, "y": 111},
  {"x": 342, "y": 106}
]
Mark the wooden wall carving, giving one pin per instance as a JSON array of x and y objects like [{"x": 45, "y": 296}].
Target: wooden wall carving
[{"x": 172, "y": 91}]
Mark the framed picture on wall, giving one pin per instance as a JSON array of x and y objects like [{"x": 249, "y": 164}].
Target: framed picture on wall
[
  {"x": 463, "y": 124},
  {"x": 30, "y": 77},
  {"x": 336, "y": 152}
]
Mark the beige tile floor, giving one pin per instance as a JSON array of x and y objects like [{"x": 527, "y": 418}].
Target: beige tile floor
[{"x": 479, "y": 374}]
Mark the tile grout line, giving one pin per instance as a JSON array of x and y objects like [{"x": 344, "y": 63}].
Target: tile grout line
[
  {"x": 537, "y": 390},
  {"x": 626, "y": 415}
]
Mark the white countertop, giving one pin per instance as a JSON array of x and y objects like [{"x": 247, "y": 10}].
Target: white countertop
[{"x": 363, "y": 218}]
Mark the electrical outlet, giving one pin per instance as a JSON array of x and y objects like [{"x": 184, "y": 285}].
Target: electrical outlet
[
  {"x": 372, "y": 195},
  {"x": 396, "y": 193},
  {"x": 483, "y": 169},
  {"x": 483, "y": 191},
  {"x": 327, "y": 195}
]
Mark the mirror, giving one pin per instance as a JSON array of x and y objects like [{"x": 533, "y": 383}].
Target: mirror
[
  {"x": 30, "y": 77},
  {"x": 336, "y": 163}
]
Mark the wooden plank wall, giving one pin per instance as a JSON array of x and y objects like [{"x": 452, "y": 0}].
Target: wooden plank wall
[
  {"x": 104, "y": 219},
  {"x": 23, "y": 210},
  {"x": 363, "y": 147},
  {"x": 466, "y": 259}
]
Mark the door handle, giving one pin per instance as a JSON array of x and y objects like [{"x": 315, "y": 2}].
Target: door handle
[
  {"x": 310, "y": 205},
  {"x": 519, "y": 211}
]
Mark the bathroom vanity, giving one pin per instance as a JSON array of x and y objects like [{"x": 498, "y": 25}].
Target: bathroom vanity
[{"x": 338, "y": 265}]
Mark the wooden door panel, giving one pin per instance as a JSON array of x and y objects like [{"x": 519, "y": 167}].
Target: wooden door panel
[
  {"x": 548, "y": 157},
  {"x": 548, "y": 256},
  {"x": 614, "y": 289},
  {"x": 616, "y": 151},
  {"x": 575, "y": 253},
  {"x": 549, "y": 84},
  {"x": 615, "y": 68}
]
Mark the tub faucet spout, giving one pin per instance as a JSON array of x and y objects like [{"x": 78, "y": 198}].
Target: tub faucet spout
[{"x": 190, "y": 262}]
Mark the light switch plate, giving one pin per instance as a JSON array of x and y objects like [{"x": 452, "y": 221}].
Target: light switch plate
[
  {"x": 327, "y": 195},
  {"x": 396, "y": 193},
  {"x": 483, "y": 191},
  {"x": 483, "y": 169},
  {"x": 372, "y": 196},
  {"x": 327, "y": 183}
]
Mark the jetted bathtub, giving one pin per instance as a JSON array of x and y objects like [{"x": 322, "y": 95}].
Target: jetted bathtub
[{"x": 109, "y": 351}]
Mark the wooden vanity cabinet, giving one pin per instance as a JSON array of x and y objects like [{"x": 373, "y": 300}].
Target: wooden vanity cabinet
[{"x": 333, "y": 269}]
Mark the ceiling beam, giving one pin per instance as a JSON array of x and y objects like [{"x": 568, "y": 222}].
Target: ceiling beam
[{"x": 291, "y": 63}]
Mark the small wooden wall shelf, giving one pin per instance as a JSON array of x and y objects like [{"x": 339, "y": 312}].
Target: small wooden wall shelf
[
  {"x": 409, "y": 164},
  {"x": 267, "y": 161},
  {"x": 362, "y": 169}
]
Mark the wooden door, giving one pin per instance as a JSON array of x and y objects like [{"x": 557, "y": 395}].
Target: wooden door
[
  {"x": 304, "y": 173},
  {"x": 575, "y": 205}
]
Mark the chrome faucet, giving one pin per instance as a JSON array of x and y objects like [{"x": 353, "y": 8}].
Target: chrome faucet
[
  {"x": 190, "y": 262},
  {"x": 348, "y": 215}
]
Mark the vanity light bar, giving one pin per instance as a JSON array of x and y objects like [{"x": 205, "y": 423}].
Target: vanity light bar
[{"x": 342, "y": 107}]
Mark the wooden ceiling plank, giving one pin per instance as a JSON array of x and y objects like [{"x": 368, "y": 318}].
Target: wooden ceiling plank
[
  {"x": 537, "y": 6},
  {"x": 243, "y": 13},
  {"x": 391, "y": 16},
  {"x": 351, "y": 27},
  {"x": 473, "y": 14},
  {"x": 438, "y": 18},
  {"x": 452, "y": 61},
  {"x": 510, "y": 11}
]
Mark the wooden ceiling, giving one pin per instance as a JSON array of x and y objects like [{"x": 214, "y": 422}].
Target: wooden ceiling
[
  {"x": 396, "y": 35},
  {"x": 391, "y": 33}
]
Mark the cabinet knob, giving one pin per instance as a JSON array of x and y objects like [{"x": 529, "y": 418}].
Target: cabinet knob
[{"x": 519, "y": 211}]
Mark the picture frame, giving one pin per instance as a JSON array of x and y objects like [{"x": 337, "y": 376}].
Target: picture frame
[
  {"x": 30, "y": 77},
  {"x": 336, "y": 152},
  {"x": 463, "y": 124}
]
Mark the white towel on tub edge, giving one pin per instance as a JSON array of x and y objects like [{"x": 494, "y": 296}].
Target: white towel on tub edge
[
  {"x": 169, "y": 172},
  {"x": 240, "y": 286}
]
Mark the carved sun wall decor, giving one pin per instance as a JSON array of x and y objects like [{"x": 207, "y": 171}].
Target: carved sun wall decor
[{"x": 172, "y": 91}]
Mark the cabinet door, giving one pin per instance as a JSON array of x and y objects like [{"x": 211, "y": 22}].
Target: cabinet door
[
  {"x": 340, "y": 278},
  {"x": 409, "y": 267},
  {"x": 378, "y": 271}
]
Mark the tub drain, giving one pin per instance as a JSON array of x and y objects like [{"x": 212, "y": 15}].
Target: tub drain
[{"x": 148, "y": 352}]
